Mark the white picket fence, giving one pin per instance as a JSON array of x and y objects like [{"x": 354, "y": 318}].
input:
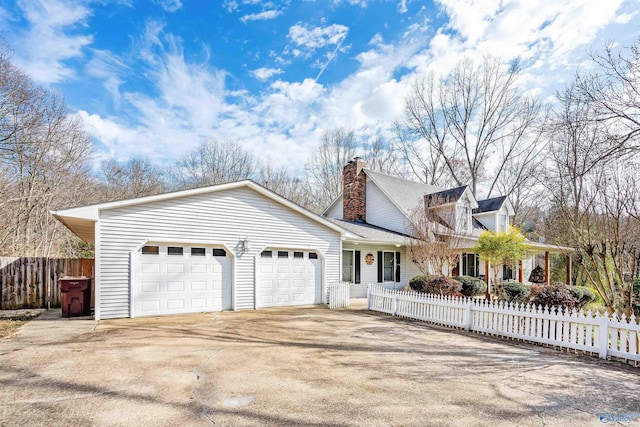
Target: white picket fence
[
  {"x": 339, "y": 294},
  {"x": 590, "y": 332}
]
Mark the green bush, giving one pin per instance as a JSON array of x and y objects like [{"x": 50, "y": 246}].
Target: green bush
[
  {"x": 438, "y": 285},
  {"x": 418, "y": 282},
  {"x": 471, "y": 286},
  {"x": 554, "y": 295},
  {"x": 513, "y": 291},
  {"x": 582, "y": 296}
]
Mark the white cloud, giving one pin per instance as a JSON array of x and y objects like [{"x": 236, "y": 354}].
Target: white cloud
[
  {"x": 265, "y": 73},
  {"x": 169, "y": 5},
  {"x": 261, "y": 16},
  {"x": 51, "y": 38},
  {"x": 402, "y": 6},
  {"x": 106, "y": 66},
  {"x": 317, "y": 37}
]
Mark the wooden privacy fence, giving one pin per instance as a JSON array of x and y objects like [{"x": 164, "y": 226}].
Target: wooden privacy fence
[
  {"x": 339, "y": 294},
  {"x": 577, "y": 330},
  {"x": 33, "y": 282}
]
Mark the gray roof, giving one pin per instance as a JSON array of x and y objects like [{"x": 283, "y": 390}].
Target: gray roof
[
  {"x": 490, "y": 205},
  {"x": 406, "y": 194},
  {"x": 443, "y": 197},
  {"x": 370, "y": 232}
]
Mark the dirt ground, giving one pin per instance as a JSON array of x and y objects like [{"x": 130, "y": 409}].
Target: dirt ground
[{"x": 307, "y": 366}]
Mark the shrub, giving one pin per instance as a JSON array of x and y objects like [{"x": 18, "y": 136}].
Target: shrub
[
  {"x": 442, "y": 286},
  {"x": 512, "y": 291},
  {"x": 418, "y": 282},
  {"x": 555, "y": 295},
  {"x": 438, "y": 285},
  {"x": 581, "y": 295},
  {"x": 471, "y": 286}
]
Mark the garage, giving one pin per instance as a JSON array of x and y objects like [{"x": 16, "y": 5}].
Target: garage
[
  {"x": 174, "y": 279},
  {"x": 289, "y": 277}
]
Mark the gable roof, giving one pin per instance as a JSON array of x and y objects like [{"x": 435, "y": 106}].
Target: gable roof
[
  {"x": 492, "y": 205},
  {"x": 81, "y": 220},
  {"x": 405, "y": 194},
  {"x": 451, "y": 195}
]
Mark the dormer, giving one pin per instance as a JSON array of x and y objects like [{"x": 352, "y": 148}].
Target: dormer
[
  {"x": 495, "y": 213},
  {"x": 453, "y": 207}
]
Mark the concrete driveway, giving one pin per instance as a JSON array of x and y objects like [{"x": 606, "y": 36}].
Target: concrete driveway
[{"x": 300, "y": 366}]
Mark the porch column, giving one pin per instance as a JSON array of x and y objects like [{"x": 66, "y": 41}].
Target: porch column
[
  {"x": 568, "y": 265},
  {"x": 547, "y": 267},
  {"x": 520, "y": 272},
  {"x": 487, "y": 277},
  {"x": 460, "y": 272}
]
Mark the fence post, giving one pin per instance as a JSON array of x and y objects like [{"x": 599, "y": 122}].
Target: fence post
[
  {"x": 469, "y": 318},
  {"x": 394, "y": 305},
  {"x": 369, "y": 296},
  {"x": 604, "y": 336}
]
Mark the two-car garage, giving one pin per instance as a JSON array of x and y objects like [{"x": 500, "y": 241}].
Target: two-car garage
[
  {"x": 232, "y": 246},
  {"x": 171, "y": 278}
]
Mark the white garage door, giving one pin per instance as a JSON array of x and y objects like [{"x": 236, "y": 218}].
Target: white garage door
[
  {"x": 172, "y": 279},
  {"x": 288, "y": 278}
]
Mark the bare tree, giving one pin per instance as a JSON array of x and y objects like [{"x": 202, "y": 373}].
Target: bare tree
[
  {"x": 435, "y": 243},
  {"x": 592, "y": 185},
  {"x": 215, "y": 162},
  {"x": 43, "y": 162},
  {"x": 280, "y": 181},
  {"x": 337, "y": 147},
  {"x": 613, "y": 88},
  {"x": 135, "y": 178},
  {"x": 455, "y": 125}
]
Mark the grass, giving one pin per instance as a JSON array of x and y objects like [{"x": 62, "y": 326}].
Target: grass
[{"x": 10, "y": 325}]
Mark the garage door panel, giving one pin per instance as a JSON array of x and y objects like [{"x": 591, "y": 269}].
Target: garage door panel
[
  {"x": 150, "y": 286},
  {"x": 199, "y": 268},
  {"x": 198, "y": 285},
  {"x": 175, "y": 286},
  {"x": 283, "y": 284},
  {"x": 150, "y": 268},
  {"x": 298, "y": 269},
  {"x": 175, "y": 268},
  {"x": 283, "y": 268}
]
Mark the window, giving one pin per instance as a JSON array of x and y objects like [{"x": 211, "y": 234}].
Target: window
[
  {"x": 150, "y": 250},
  {"x": 470, "y": 264},
  {"x": 465, "y": 218},
  {"x": 503, "y": 221},
  {"x": 298, "y": 255},
  {"x": 283, "y": 254},
  {"x": 219, "y": 252},
  {"x": 389, "y": 267},
  {"x": 266, "y": 254},
  {"x": 508, "y": 273},
  {"x": 198, "y": 252},
  {"x": 313, "y": 255},
  {"x": 347, "y": 266},
  {"x": 175, "y": 250}
]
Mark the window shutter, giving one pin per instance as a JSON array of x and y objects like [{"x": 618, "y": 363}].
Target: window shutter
[
  {"x": 356, "y": 266},
  {"x": 397, "y": 266},
  {"x": 464, "y": 265},
  {"x": 380, "y": 265},
  {"x": 477, "y": 270}
]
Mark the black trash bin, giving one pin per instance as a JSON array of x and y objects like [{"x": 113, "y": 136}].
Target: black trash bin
[{"x": 75, "y": 296}]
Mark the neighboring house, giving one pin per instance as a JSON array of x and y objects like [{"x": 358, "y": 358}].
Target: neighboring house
[
  {"x": 377, "y": 208},
  {"x": 225, "y": 247}
]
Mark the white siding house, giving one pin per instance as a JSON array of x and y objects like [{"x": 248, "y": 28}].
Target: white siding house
[{"x": 269, "y": 251}]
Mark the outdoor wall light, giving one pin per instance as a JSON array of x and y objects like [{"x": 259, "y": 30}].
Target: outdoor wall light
[{"x": 244, "y": 245}]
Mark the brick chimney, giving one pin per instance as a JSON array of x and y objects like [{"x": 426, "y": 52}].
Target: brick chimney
[{"x": 354, "y": 203}]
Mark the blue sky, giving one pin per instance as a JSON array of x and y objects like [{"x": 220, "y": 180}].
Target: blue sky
[{"x": 153, "y": 78}]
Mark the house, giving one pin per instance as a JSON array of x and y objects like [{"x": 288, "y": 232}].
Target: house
[
  {"x": 378, "y": 208},
  {"x": 241, "y": 246},
  {"x": 225, "y": 247}
]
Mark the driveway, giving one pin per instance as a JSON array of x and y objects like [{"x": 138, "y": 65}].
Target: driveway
[{"x": 305, "y": 366}]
